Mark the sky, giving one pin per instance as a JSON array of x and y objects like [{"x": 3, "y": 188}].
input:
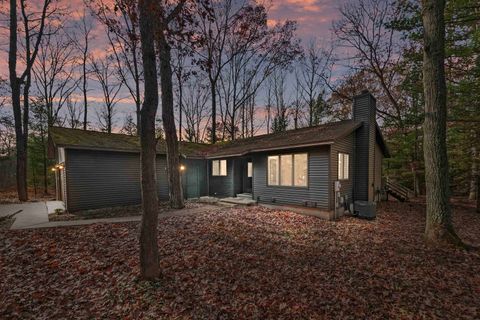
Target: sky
[{"x": 314, "y": 18}]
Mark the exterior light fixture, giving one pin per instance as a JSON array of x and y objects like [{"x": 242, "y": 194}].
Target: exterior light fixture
[
  {"x": 53, "y": 169},
  {"x": 182, "y": 167}
]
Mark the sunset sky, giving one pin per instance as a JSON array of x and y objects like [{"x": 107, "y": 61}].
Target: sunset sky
[{"x": 314, "y": 18}]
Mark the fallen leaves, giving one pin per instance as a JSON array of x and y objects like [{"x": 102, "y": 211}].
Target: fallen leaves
[{"x": 245, "y": 263}]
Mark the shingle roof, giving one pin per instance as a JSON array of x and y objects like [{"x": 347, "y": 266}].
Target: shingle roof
[
  {"x": 95, "y": 140},
  {"x": 318, "y": 135}
]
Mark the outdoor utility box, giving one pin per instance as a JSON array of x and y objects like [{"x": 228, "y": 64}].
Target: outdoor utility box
[{"x": 365, "y": 209}]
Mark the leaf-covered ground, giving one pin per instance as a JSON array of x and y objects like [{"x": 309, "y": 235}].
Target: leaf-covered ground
[{"x": 245, "y": 263}]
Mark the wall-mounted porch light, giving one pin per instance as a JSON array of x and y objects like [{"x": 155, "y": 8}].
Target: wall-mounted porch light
[{"x": 182, "y": 167}]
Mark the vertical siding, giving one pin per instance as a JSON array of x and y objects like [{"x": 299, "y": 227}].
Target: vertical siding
[
  {"x": 378, "y": 168},
  {"x": 222, "y": 186},
  {"x": 364, "y": 111},
  {"x": 318, "y": 180},
  {"x": 195, "y": 173},
  {"x": 344, "y": 145},
  {"x": 162, "y": 177},
  {"x": 99, "y": 179}
]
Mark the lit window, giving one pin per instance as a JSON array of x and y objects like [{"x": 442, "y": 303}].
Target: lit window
[
  {"x": 343, "y": 166},
  {"x": 300, "y": 172},
  {"x": 249, "y": 169},
  {"x": 273, "y": 170},
  {"x": 219, "y": 167},
  {"x": 288, "y": 170}
]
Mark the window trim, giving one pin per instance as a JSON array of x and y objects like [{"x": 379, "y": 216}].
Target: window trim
[
  {"x": 220, "y": 168},
  {"x": 292, "y": 186},
  {"x": 343, "y": 166}
]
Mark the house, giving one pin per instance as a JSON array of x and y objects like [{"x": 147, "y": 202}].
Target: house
[{"x": 310, "y": 167}]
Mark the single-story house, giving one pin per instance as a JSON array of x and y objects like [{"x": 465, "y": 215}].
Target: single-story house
[{"x": 310, "y": 167}]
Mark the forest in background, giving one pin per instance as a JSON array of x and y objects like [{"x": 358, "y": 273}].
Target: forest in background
[{"x": 253, "y": 76}]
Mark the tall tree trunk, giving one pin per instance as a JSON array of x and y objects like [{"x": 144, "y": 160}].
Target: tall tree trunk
[
  {"x": 15, "y": 84},
  {"x": 473, "y": 173},
  {"x": 84, "y": 86},
  {"x": 439, "y": 228},
  {"x": 149, "y": 260},
  {"x": 214, "y": 112},
  {"x": 173, "y": 161}
]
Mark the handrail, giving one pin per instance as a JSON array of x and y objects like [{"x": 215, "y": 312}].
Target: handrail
[{"x": 397, "y": 188}]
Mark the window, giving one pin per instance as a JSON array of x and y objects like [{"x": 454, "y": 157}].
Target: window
[
  {"x": 219, "y": 167},
  {"x": 288, "y": 170},
  {"x": 249, "y": 169},
  {"x": 273, "y": 170},
  {"x": 300, "y": 170},
  {"x": 343, "y": 166}
]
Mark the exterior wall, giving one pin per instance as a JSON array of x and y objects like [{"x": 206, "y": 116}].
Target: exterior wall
[
  {"x": 378, "y": 183},
  {"x": 317, "y": 192},
  {"x": 344, "y": 145},
  {"x": 97, "y": 179},
  {"x": 364, "y": 110},
  {"x": 194, "y": 178},
  {"x": 222, "y": 186}
]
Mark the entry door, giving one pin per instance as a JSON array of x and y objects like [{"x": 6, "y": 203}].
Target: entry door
[
  {"x": 247, "y": 185},
  {"x": 193, "y": 182}
]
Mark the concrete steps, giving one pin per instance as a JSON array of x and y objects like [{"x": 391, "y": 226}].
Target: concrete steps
[{"x": 247, "y": 196}]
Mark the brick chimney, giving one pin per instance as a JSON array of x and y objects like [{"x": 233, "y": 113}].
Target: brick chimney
[{"x": 364, "y": 111}]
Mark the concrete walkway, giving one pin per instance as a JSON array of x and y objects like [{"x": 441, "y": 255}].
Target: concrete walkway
[
  {"x": 30, "y": 214},
  {"x": 37, "y": 217}
]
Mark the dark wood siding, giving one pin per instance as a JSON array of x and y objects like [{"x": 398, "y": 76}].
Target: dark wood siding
[
  {"x": 194, "y": 178},
  {"x": 97, "y": 179},
  {"x": 318, "y": 180},
  {"x": 344, "y": 145},
  {"x": 222, "y": 186},
  {"x": 364, "y": 111}
]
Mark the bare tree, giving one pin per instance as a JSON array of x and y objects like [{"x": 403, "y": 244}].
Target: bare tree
[
  {"x": 32, "y": 31},
  {"x": 363, "y": 27},
  {"x": 54, "y": 73},
  {"x": 195, "y": 109},
  {"x": 280, "y": 119},
  {"x": 439, "y": 228},
  {"x": 121, "y": 20},
  {"x": 314, "y": 67},
  {"x": 82, "y": 43},
  {"x": 149, "y": 260},
  {"x": 103, "y": 72},
  {"x": 74, "y": 114}
]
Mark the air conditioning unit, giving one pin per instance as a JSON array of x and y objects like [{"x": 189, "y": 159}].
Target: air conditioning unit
[{"x": 365, "y": 209}]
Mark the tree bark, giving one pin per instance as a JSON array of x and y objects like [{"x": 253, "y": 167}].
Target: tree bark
[
  {"x": 478, "y": 193},
  {"x": 439, "y": 228},
  {"x": 149, "y": 259},
  {"x": 214, "y": 113},
  {"x": 173, "y": 156},
  {"x": 15, "y": 84},
  {"x": 473, "y": 174}
]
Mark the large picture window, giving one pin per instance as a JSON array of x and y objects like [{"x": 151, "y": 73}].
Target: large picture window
[
  {"x": 288, "y": 170},
  {"x": 343, "y": 166},
  {"x": 219, "y": 167}
]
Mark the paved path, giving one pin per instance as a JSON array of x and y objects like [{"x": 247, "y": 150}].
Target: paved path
[
  {"x": 35, "y": 215},
  {"x": 30, "y": 214}
]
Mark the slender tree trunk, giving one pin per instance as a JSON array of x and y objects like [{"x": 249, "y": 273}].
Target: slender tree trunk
[
  {"x": 45, "y": 164},
  {"x": 84, "y": 86},
  {"x": 149, "y": 259},
  {"x": 15, "y": 84},
  {"x": 478, "y": 193},
  {"x": 473, "y": 173},
  {"x": 173, "y": 161},
  {"x": 439, "y": 228},
  {"x": 180, "y": 109},
  {"x": 214, "y": 112}
]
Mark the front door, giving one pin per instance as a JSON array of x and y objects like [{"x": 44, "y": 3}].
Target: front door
[
  {"x": 192, "y": 182},
  {"x": 248, "y": 174}
]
